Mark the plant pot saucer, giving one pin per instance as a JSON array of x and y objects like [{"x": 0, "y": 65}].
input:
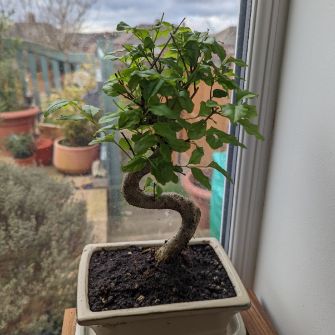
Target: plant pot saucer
[{"x": 235, "y": 327}]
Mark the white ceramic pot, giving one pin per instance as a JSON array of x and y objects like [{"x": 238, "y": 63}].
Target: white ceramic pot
[{"x": 190, "y": 318}]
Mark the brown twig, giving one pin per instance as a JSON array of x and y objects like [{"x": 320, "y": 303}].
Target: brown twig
[
  {"x": 129, "y": 145},
  {"x": 166, "y": 44}
]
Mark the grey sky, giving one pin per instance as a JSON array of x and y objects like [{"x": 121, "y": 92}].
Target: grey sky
[{"x": 200, "y": 14}]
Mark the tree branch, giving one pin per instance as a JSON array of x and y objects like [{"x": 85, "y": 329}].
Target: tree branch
[{"x": 167, "y": 42}]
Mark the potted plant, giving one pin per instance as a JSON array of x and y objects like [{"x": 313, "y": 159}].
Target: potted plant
[
  {"x": 22, "y": 148},
  {"x": 72, "y": 154},
  {"x": 175, "y": 285},
  {"x": 15, "y": 114},
  {"x": 76, "y": 85}
]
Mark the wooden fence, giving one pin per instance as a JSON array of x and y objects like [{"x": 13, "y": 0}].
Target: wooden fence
[{"x": 39, "y": 64}]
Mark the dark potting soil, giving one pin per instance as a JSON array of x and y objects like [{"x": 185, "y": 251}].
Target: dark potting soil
[{"x": 130, "y": 277}]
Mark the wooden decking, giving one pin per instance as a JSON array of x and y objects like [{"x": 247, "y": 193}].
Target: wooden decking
[{"x": 255, "y": 320}]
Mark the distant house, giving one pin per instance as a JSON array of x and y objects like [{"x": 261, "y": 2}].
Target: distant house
[
  {"x": 228, "y": 38},
  {"x": 44, "y": 33}
]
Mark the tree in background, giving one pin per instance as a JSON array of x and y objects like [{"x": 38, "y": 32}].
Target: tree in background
[{"x": 58, "y": 20}]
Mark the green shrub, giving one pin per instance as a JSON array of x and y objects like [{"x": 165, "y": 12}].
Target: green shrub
[
  {"x": 11, "y": 90},
  {"x": 78, "y": 133},
  {"x": 42, "y": 232},
  {"x": 20, "y": 145}
]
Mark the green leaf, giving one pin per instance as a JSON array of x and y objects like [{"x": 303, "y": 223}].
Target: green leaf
[
  {"x": 149, "y": 74},
  {"x": 216, "y": 138},
  {"x": 196, "y": 156},
  {"x": 148, "y": 182},
  {"x": 197, "y": 130},
  {"x": 204, "y": 109},
  {"x": 111, "y": 56},
  {"x": 103, "y": 139},
  {"x": 163, "y": 110},
  {"x": 122, "y": 26},
  {"x": 219, "y": 50},
  {"x": 185, "y": 101},
  {"x": 148, "y": 43},
  {"x": 129, "y": 119},
  {"x": 150, "y": 88},
  {"x": 164, "y": 129},
  {"x": 237, "y": 112},
  {"x": 165, "y": 151},
  {"x": 211, "y": 104},
  {"x": 178, "y": 145},
  {"x": 135, "y": 164},
  {"x": 163, "y": 171},
  {"x": 89, "y": 112},
  {"x": 201, "y": 177},
  {"x": 192, "y": 51},
  {"x": 217, "y": 93},
  {"x": 59, "y": 104},
  {"x": 241, "y": 94},
  {"x": 114, "y": 89},
  {"x": 145, "y": 143},
  {"x": 251, "y": 129},
  {"x": 158, "y": 190},
  {"x": 238, "y": 62},
  {"x": 217, "y": 167},
  {"x": 109, "y": 117},
  {"x": 73, "y": 117},
  {"x": 124, "y": 144}
]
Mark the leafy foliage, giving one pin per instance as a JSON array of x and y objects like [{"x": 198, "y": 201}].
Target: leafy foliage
[
  {"x": 78, "y": 133},
  {"x": 11, "y": 92},
  {"x": 76, "y": 86},
  {"x": 42, "y": 232},
  {"x": 20, "y": 146},
  {"x": 159, "y": 79}
]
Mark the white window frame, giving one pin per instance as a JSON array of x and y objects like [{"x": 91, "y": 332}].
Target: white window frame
[{"x": 265, "y": 44}]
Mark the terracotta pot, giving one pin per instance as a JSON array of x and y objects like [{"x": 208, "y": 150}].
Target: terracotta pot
[
  {"x": 201, "y": 198},
  {"x": 50, "y": 130},
  {"x": 25, "y": 161},
  {"x": 44, "y": 151},
  {"x": 74, "y": 160},
  {"x": 17, "y": 122},
  {"x": 188, "y": 318}
]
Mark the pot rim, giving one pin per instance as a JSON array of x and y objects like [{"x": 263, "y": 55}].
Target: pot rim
[
  {"x": 23, "y": 113},
  {"x": 49, "y": 125},
  {"x": 86, "y": 317},
  {"x": 67, "y": 148}
]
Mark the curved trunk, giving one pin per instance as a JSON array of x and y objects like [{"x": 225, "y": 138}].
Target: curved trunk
[{"x": 189, "y": 212}]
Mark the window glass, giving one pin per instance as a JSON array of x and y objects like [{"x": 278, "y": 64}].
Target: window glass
[{"x": 71, "y": 194}]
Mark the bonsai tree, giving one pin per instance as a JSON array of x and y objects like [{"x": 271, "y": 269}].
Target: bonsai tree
[
  {"x": 159, "y": 79},
  {"x": 20, "y": 145}
]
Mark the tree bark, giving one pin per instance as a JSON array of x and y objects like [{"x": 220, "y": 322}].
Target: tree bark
[{"x": 190, "y": 213}]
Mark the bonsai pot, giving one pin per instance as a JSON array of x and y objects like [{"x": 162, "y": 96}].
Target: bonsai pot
[
  {"x": 25, "y": 161},
  {"x": 17, "y": 122},
  {"x": 200, "y": 196},
  {"x": 74, "y": 160},
  {"x": 187, "y": 318},
  {"x": 44, "y": 151},
  {"x": 50, "y": 130}
]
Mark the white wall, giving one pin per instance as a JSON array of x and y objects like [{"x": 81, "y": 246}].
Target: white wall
[{"x": 295, "y": 275}]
